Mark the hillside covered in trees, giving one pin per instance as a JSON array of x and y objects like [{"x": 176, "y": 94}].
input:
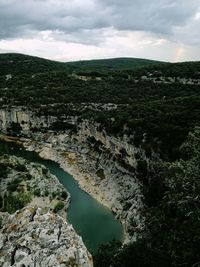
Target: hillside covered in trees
[{"x": 14, "y": 63}]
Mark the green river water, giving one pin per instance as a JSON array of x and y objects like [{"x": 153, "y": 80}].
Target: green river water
[{"x": 95, "y": 223}]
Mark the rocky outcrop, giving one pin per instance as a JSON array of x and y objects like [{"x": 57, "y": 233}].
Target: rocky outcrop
[
  {"x": 30, "y": 184},
  {"x": 44, "y": 239}
]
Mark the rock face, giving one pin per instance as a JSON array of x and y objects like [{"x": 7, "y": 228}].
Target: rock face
[
  {"x": 33, "y": 238},
  {"x": 25, "y": 118}
]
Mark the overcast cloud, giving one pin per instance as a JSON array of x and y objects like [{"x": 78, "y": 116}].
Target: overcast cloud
[{"x": 76, "y": 29}]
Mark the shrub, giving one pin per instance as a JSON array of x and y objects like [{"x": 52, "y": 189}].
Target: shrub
[
  {"x": 46, "y": 193},
  {"x": 20, "y": 168},
  {"x": 12, "y": 186},
  {"x": 37, "y": 192},
  {"x": 54, "y": 194},
  {"x": 13, "y": 203},
  {"x": 28, "y": 176},
  {"x": 44, "y": 171},
  {"x": 64, "y": 195},
  {"x": 3, "y": 170},
  {"x": 60, "y": 205}
]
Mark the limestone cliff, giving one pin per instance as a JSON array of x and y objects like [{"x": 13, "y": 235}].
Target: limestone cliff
[{"x": 27, "y": 119}]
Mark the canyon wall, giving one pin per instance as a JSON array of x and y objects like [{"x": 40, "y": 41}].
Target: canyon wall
[{"x": 26, "y": 119}]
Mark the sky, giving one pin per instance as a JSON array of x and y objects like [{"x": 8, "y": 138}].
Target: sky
[{"x": 68, "y": 30}]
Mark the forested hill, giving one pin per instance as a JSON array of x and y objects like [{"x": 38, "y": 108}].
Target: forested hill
[
  {"x": 112, "y": 64},
  {"x": 159, "y": 100},
  {"x": 18, "y": 63},
  {"x": 23, "y": 64}
]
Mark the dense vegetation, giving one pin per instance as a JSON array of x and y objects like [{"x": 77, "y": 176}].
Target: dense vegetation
[
  {"x": 172, "y": 234},
  {"x": 104, "y": 65},
  {"x": 184, "y": 69}
]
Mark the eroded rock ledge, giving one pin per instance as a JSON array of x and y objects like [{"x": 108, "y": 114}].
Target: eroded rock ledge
[{"x": 43, "y": 240}]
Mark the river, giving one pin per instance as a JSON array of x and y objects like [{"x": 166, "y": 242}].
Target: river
[{"x": 95, "y": 223}]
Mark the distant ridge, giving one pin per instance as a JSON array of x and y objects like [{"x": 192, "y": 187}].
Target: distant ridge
[
  {"x": 113, "y": 63},
  {"x": 20, "y": 63},
  {"x": 14, "y": 63}
]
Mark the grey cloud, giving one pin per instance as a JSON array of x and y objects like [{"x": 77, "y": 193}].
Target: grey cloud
[
  {"x": 16, "y": 17},
  {"x": 155, "y": 16},
  {"x": 83, "y": 20}
]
